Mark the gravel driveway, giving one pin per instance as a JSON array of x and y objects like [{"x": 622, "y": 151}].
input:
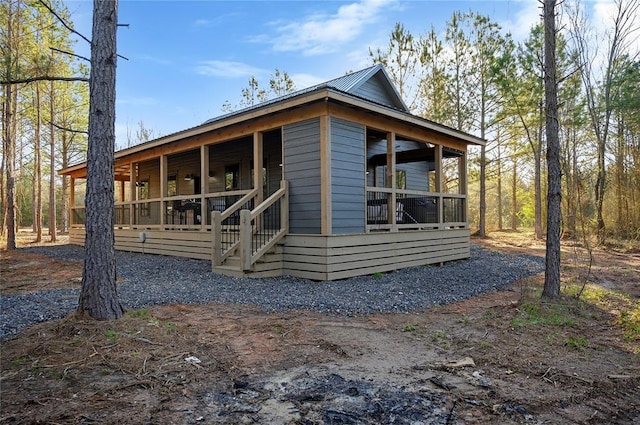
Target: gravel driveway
[{"x": 153, "y": 279}]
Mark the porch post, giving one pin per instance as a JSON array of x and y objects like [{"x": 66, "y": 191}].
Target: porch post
[
  {"x": 216, "y": 232},
  {"x": 326, "y": 207},
  {"x": 122, "y": 194},
  {"x": 132, "y": 190},
  {"x": 258, "y": 147},
  {"x": 463, "y": 185},
  {"x": 163, "y": 189},
  {"x": 204, "y": 184},
  {"x": 391, "y": 180},
  {"x": 438, "y": 164},
  {"x": 72, "y": 200},
  {"x": 245, "y": 239}
]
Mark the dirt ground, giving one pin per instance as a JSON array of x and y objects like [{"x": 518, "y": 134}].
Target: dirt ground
[{"x": 503, "y": 357}]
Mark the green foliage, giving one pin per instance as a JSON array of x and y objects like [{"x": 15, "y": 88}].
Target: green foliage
[
  {"x": 111, "y": 335},
  {"x": 535, "y": 313},
  {"x": 409, "y": 328},
  {"x": 627, "y": 310},
  {"x": 143, "y": 312},
  {"x": 280, "y": 83},
  {"x": 577, "y": 343}
]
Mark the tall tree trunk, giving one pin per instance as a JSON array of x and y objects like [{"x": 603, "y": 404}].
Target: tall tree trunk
[
  {"x": 554, "y": 173},
  {"x": 65, "y": 185},
  {"x": 537, "y": 183},
  {"x": 482, "y": 223},
  {"x": 10, "y": 154},
  {"x": 499, "y": 170},
  {"x": 99, "y": 295},
  {"x": 37, "y": 172},
  {"x": 3, "y": 192},
  {"x": 514, "y": 195},
  {"x": 52, "y": 169},
  {"x": 620, "y": 173},
  {"x": 10, "y": 126}
]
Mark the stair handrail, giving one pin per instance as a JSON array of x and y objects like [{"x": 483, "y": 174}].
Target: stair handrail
[
  {"x": 247, "y": 257},
  {"x": 217, "y": 218}
]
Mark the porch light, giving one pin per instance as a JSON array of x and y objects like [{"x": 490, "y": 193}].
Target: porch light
[{"x": 188, "y": 177}]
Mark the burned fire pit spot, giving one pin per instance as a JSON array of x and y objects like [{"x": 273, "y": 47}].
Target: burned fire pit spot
[{"x": 329, "y": 398}]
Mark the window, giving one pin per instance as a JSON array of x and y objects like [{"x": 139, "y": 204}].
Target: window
[
  {"x": 401, "y": 179},
  {"x": 143, "y": 193},
  {"x": 264, "y": 176},
  {"x": 172, "y": 185},
  {"x": 232, "y": 177}
]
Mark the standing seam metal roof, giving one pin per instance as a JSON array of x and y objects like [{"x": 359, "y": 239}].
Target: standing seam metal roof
[{"x": 346, "y": 83}]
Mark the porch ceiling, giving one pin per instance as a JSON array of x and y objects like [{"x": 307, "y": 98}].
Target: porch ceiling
[{"x": 427, "y": 154}]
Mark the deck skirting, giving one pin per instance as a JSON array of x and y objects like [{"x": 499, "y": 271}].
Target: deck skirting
[
  {"x": 341, "y": 256},
  {"x": 312, "y": 256}
]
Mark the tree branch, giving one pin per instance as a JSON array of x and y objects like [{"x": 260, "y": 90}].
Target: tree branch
[
  {"x": 43, "y": 78},
  {"x": 63, "y": 22},
  {"x": 71, "y": 130},
  {"x": 70, "y": 54}
]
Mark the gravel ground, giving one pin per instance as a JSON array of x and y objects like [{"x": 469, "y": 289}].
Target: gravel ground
[{"x": 152, "y": 279}]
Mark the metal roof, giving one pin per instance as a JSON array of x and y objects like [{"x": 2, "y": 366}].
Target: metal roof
[{"x": 347, "y": 83}]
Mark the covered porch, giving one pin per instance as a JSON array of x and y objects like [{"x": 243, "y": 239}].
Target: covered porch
[{"x": 321, "y": 185}]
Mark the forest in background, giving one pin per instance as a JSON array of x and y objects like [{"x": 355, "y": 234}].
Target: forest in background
[{"x": 472, "y": 77}]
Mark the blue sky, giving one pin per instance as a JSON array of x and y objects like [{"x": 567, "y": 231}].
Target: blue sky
[{"x": 186, "y": 58}]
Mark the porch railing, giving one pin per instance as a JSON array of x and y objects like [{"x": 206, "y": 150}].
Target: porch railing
[
  {"x": 226, "y": 227},
  {"x": 257, "y": 232},
  {"x": 389, "y": 209}
]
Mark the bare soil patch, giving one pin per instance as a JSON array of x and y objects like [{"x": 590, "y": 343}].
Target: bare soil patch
[{"x": 502, "y": 357}]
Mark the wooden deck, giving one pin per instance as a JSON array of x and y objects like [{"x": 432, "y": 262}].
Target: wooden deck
[
  {"x": 343, "y": 256},
  {"x": 310, "y": 256}
]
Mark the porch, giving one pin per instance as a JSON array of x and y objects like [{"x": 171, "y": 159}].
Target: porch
[{"x": 335, "y": 181}]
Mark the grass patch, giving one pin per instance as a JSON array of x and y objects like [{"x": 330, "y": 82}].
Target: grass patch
[
  {"x": 111, "y": 335},
  {"x": 625, "y": 310},
  {"x": 143, "y": 312},
  {"x": 537, "y": 313},
  {"x": 409, "y": 328},
  {"x": 578, "y": 344}
]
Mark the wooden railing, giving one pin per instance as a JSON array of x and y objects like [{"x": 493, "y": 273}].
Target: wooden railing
[
  {"x": 397, "y": 209},
  {"x": 225, "y": 228},
  {"x": 257, "y": 232}
]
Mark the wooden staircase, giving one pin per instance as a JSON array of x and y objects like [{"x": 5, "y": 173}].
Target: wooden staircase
[
  {"x": 249, "y": 243},
  {"x": 269, "y": 265}
]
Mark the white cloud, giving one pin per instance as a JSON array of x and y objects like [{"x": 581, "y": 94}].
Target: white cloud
[
  {"x": 302, "y": 80},
  {"x": 324, "y": 33},
  {"x": 525, "y": 18},
  {"x": 228, "y": 69}
]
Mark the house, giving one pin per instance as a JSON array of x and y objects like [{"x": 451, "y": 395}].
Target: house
[{"x": 333, "y": 181}]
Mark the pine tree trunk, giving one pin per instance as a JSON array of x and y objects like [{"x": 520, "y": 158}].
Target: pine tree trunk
[
  {"x": 499, "y": 171},
  {"x": 537, "y": 177},
  {"x": 37, "y": 173},
  {"x": 52, "y": 171},
  {"x": 99, "y": 296},
  {"x": 554, "y": 189},
  {"x": 10, "y": 154},
  {"x": 514, "y": 196}
]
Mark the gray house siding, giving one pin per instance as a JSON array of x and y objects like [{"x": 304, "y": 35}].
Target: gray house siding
[
  {"x": 347, "y": 177},
  {"x": 374, "y": 90},
  {"x": 302, "y": 171}
]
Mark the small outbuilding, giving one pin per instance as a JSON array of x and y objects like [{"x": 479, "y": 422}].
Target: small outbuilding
[{"x": 329, "y": 182}]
